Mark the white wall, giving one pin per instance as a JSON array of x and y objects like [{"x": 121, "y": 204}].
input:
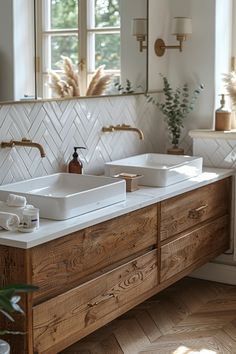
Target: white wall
[
  {"x": 196, "y": 64},
  {"x": 133, "y": 62},
  {"x": 24, "y": 56},
  {"x": 6, "y": 50},
  {"x": 159, "y": 22},
  {"x": 16, "y": 49},
  {"x": 205, "y": 55}
]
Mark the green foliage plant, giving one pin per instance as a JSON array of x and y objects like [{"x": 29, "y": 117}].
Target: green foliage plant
[
  {"x": 178, "y": 103},
  {"x": 9, "y": 302},
  {"x": 124, "y": 90}
]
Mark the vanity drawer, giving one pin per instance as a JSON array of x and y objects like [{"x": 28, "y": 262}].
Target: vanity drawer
[
  {"x": 190, "y": 209},
  {"x": 196, "y": 247},
  {"x": 63, "y": 320},
  {"x": 62, "y": 264}
]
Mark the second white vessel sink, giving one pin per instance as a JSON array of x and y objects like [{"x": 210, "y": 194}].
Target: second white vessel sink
[
  {"x": 65, "y": 195},
  {"x": 158, "y": 170}
]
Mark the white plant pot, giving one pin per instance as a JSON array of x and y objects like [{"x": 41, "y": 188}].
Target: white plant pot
[{"x": 4, "y": 347}]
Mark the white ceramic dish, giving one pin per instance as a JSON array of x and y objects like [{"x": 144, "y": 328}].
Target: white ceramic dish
[
  {"x": 158, "y": 170},
  {"x": 65, "y": 195},
  {"x": 4, "y": 347}
]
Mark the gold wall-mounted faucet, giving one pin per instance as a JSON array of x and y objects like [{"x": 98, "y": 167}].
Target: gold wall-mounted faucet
[
  {"x": 123, "y": 127},
  {"x": 24, "y": 142}
]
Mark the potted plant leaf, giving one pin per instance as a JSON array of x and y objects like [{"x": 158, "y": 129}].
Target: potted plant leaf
[
  {"x": 177, "y": 104},
  {"x": 9, "y": 304}
]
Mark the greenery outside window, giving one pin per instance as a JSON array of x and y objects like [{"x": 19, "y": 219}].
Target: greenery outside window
[{"x": 86, "y": 31}]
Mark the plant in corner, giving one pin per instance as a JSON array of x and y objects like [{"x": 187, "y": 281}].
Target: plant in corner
[
  {"x": 178, "y": 103},
  {"x": 9, "y": 303}
]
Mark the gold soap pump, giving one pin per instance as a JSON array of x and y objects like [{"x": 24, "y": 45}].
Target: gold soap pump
[{"x": 222, "y": 117}]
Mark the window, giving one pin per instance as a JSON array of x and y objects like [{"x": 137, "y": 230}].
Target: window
[
  {"x": 224, "y": 50},
  {"x": 86, "y": 31}
]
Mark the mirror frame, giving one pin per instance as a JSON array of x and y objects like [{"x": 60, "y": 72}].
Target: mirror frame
[{"x": 53, "y": 99}]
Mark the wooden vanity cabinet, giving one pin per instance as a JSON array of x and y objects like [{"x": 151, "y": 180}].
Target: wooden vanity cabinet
[
  {"x": 195, "y": 228},
  {"x": 68, "y": 317},
  {"x": 85, "y": 280},
  {"x": 193, "y": 248},
  {"x": 61, "y": 264},
  {"x": 92, "y": 276},
  {"x": 190, "y": 209}
]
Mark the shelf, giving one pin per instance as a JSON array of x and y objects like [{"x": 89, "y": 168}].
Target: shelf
[{"x": 212, "y": 134}]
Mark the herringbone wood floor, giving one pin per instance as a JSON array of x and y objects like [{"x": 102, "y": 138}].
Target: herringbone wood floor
[{"x": 192, "y": 316}]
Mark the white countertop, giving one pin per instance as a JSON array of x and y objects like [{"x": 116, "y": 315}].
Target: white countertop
[{"x": 50, "y": 230}]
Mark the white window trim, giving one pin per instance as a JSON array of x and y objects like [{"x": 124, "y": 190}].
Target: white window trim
[
  {"x": 86, "y": 33},
  {"x": 233, "y": 34}
]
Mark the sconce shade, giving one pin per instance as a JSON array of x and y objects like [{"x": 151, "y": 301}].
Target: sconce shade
[
  {"x": 139, "y": 27},
  {"x": 181, "y": 26}
]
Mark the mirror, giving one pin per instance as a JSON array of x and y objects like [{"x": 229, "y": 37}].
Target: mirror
[{"x": 32, "y": 46}]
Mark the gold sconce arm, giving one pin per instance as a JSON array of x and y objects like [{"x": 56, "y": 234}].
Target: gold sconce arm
[
  {"x": 24, "y": 142},
  {"x": 181, "y": 28},
  {"x": 141, "y": 39},
  {"x": 160, "y": 46}
]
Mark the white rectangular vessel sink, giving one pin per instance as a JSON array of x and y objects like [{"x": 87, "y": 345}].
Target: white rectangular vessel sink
[
  {"x": 158, "y": 170},
  {"x": 65, "y": 195}
]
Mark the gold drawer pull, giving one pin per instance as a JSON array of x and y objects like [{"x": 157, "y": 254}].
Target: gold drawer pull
[
  {"x": 198, "y": 212},
  {"x": 103, "y": 298}
]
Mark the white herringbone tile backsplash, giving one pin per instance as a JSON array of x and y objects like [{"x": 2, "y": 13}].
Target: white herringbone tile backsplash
[
  {"x": 61, "y": 125},
  {"x": 216, "y": 152}
]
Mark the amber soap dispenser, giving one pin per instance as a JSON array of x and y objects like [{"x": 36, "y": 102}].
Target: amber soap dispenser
[{"x": 76, "y": 165}]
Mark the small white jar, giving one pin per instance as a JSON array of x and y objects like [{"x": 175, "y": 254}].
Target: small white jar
[
  {"x": 4, "y": 347},
  {"x": 30, "y": 219}
]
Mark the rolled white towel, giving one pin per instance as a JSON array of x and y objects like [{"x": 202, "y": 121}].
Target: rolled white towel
[
  {"x": 16, "y": 200},
  {"x": 9, "y": 221},
  {"x": 12, "y": 210}
]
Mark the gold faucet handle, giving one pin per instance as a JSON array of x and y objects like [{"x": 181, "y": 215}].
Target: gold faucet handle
[
  {"x": 25, "y": 140},
  {"x": 109, "y": 128},
  {"x": 126, "y": 125}
]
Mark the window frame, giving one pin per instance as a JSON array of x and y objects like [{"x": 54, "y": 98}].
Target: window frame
[{"x": 86, "y": 33}]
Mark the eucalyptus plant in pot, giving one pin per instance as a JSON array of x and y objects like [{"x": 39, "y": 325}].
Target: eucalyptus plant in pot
[
  {"x": 9, "y": 304},
  {"x": 177, "y": 104}
]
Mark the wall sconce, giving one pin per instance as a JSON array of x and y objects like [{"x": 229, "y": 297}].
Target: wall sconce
[
  {"x": 181, "y": 28},
  {"x": 139, "y": 30}
]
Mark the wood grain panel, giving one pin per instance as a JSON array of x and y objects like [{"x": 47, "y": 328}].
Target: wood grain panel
[
  {"x": 61, "y": 264},
  {"x": 190, "y": 248},
  {"x": 177, "y": 214},
  {"x": 15, "y": 269},
  {"x": 191, "y": 316},
  {"x": 66, "y": 315}
]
